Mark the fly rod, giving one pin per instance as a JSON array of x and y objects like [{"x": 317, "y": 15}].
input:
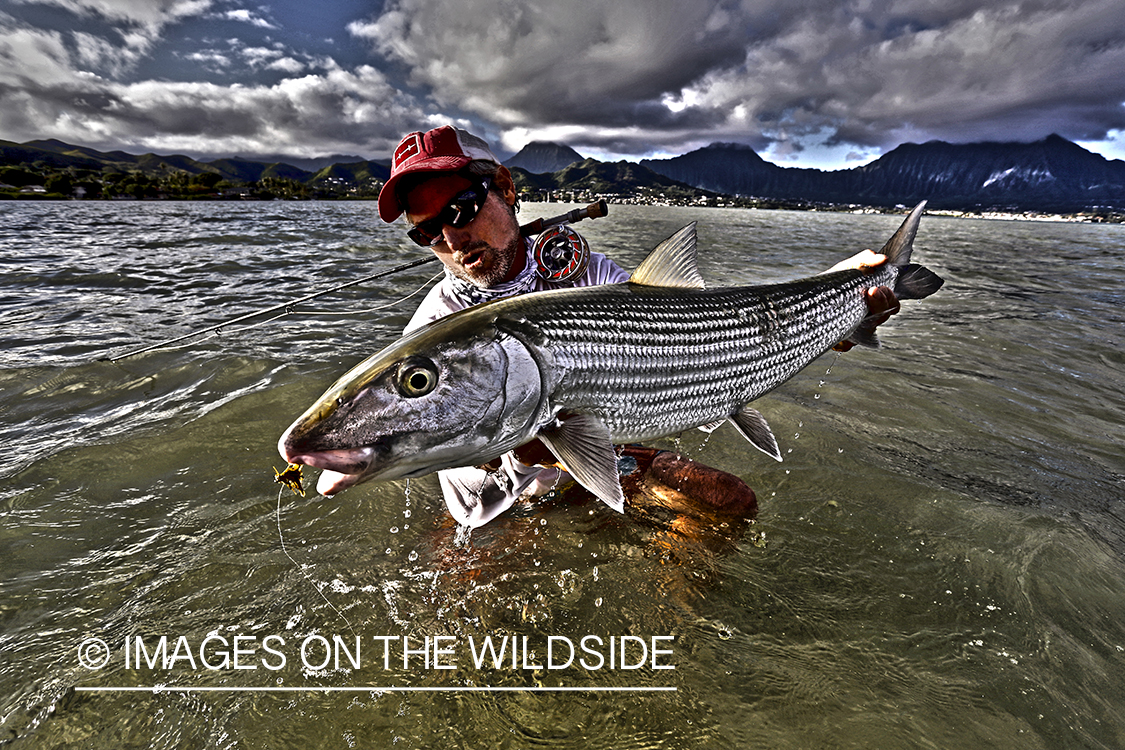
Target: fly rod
[
  {"x": 275, "y": 308},
  {"x": 592, "y": 211},
  {"x": 595, "y": 210}
]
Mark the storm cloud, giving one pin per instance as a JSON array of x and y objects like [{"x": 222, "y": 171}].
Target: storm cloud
[
  {"x": 612, "y": 79},
  {"x": 868, "y": 73}
]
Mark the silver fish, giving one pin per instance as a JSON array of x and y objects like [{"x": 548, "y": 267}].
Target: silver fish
[{"x": 585, "y": 368}]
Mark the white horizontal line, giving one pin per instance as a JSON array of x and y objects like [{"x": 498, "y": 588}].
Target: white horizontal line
[{"x": 372, "y": 688}]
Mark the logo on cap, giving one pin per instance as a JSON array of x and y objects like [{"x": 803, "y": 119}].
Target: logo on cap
[{"x": 411, "y": 146}]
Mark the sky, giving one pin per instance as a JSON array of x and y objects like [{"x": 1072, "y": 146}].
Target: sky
[{"x": 830, "y": 84}]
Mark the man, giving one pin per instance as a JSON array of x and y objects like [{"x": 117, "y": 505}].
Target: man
[{"x": 461, "y": 203}]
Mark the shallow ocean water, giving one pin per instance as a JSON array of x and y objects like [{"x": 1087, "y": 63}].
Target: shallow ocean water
[{"x": 938, "y": 562}]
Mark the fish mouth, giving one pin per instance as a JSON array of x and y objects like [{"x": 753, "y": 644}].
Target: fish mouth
[{"x": 342, "y": 467}]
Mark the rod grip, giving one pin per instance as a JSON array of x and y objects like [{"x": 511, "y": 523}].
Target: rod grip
[
  {"x": 593, "y": 211},
  {"x": 597, "y": 210},
  {"x": 534, "y": 227}
]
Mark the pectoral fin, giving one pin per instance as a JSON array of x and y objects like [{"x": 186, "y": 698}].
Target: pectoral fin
[
  {"x": 581, "y": 443},
  {"x": 754, "y": 428}
]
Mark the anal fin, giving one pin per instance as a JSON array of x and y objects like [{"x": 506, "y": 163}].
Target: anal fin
[
  {"x": 709, "y": 428},
  {"x": 754, "y": 428}
]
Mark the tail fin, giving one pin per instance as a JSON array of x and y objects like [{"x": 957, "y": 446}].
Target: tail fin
[
  {"x": 914, "y": 281},
  {"x": 901, "y": 243}
]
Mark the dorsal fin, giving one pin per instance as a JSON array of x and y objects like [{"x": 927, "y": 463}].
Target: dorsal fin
[{"x": 671, "y": 263}]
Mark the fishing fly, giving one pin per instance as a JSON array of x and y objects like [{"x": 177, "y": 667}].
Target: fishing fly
[{"x": 290, "y": 478}]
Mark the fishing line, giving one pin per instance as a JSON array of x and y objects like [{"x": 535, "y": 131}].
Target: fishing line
[
  {"x": 592, "y": 211},
  {"x": 400, "y": 300},
  {"x": 219, "y": 330},
  {"x": 298, "y": 566},
  {"x": 282, "y": 306}
]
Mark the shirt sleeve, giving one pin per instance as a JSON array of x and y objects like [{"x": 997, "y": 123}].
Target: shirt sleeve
[
  {"x": 476, "y": 496},
  {"x": 602, "y": 270},
  {"x": 437, "y": 303}
]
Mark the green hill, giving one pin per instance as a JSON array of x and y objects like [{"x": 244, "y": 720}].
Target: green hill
[
  {"x": 591, "y": 177},
  {"x": 117, "y": 173}
]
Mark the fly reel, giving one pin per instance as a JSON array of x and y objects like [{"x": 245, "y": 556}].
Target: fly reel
[{"x": 561, "y": 254}]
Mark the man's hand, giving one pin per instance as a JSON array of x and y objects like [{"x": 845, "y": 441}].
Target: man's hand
[
  {"x": 881, "y": 301},
  {"x": 881, "y": 305},
  {"x": 860, "y": 261},
  {"x": 533, "y": 453}
]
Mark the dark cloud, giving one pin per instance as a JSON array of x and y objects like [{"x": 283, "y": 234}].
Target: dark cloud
[
  {"x": 550, "y": 62},
  {"x": 796, "y": 78},
  {"x": 867, "y": 73}
]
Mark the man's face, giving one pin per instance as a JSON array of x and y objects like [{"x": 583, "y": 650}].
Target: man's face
[{"x": 484, "y": 252}]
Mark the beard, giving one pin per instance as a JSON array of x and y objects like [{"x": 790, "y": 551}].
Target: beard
[{"x": 495, "y": 270}]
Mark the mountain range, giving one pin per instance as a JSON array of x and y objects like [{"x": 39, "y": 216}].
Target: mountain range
[
  {"x": 1053, "y": 174},
  {"x": 58, "y": 155},
  {"x": 1048, "y": 175}
]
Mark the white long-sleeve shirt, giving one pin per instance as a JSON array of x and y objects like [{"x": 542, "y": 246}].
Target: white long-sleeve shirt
[{"x": 475, "y": 496}]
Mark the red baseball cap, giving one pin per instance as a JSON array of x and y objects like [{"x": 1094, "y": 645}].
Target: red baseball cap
[{"x": 444, "y": 149}]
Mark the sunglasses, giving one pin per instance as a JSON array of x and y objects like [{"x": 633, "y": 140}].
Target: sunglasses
[{"x": 460, "y": 211}]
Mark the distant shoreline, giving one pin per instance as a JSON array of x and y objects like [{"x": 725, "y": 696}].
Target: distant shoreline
[
  {"x": 1049, "y": 178},
  {"x": 1086, "y": 217}
]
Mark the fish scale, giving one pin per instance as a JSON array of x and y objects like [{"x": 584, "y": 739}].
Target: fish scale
[
  {"x": 583, "y": 368},
  {"x": 728, "y": 346}
]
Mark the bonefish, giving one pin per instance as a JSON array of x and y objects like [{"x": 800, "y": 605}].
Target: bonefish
[{"x": 583, "y": 369}]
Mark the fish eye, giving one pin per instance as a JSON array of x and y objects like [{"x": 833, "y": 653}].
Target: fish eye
[{"x": 416, "y": 377}]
